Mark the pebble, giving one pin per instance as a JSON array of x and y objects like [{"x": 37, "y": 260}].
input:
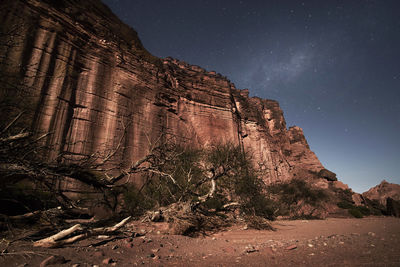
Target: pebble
[
  {"x": 291, "y": 247},
  {"x": 250, "y": 249},
  {"x": 310, "y": 245},
  {"x": 129, "y": 245},
  {"x": 107, "y": 261}
]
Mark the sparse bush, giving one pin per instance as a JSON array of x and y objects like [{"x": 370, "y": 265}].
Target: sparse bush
[
  {"x": 182, "y": 176},
  {"x": 345, "y": 205},
  {"x": 364, "y": 210},
  {"x": 135, "y": 202},
  {"x": 290, "y": 196},
  {"x": 343, "y": 194},
  {"x": 241, "y": 182},
  {"x": 375, "y": 207},
  {"x": 356, "y": 212}
]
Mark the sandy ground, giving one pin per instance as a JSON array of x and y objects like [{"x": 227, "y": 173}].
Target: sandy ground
[{"x": 373, "y": 241}]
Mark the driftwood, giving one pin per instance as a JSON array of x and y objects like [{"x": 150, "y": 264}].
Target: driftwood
[{"x": 58, "y": 240}]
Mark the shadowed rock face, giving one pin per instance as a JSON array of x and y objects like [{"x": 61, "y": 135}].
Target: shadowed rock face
[{"x": 84, "y": 76}]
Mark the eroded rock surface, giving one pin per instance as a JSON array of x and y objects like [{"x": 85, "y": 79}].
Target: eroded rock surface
[
  {"x": 84, "y": 76},
  {"x": 387, "y": 195},
  {"x": 383, "y": 191}
]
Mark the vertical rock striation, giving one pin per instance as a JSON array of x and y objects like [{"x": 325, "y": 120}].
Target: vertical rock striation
[{"x": 85, "y": 77}]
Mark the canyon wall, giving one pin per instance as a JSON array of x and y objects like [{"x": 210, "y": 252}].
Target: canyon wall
[{"x": 83, "y": 76}]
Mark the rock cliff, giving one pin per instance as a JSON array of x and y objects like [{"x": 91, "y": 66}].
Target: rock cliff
[
  {"x": 83, "y": 76},
  {"x": 382, "y": 192}
]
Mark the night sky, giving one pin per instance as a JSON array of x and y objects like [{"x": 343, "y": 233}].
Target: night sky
[{"x": 334, "y": 67}]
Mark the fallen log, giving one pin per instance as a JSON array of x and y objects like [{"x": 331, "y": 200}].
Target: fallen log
[
  {"x": 58, "y": 240},
  {"x": 52, "y": 240}
]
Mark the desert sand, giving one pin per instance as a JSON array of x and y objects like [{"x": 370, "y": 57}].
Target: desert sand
[{"x": 372, "y": 241}]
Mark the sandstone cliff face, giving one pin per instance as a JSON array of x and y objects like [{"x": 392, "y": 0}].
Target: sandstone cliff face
[{"x": 84, "y": 77}]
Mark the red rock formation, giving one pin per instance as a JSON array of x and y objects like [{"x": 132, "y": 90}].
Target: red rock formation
[
  {"x": 90, "y": 83},
  {"x": 383, "y": 191}
]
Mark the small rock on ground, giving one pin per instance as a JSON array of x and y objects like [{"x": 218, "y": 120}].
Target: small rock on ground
[{"x": 53, "y": 260}]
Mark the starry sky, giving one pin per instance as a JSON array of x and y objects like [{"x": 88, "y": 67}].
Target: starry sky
[{"x": 333, "y": 65}]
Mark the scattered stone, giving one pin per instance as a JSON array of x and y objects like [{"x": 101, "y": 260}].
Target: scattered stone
[
  {"x": 371, "y": 234},
  {"x": 114, "y": 247},
  {"x": 155, "y": 250},
  {"x": 102, "y": 236},
  {"x": 156, "y": 216},
  {"x": 310, "y": 245},
  {"x": 311, "y": 254},
  {"x": 53, "y": 260},
  {"x": 341, "y": 243},
  {"x": 291, "y": 247},
  {"x": 76, "y": 265},
  {"x": 136, "y": 235},
  {"x": 107, "y": 261},
  {"x": 325, "y": 244},
  {"x": 250, "y": 249}
]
